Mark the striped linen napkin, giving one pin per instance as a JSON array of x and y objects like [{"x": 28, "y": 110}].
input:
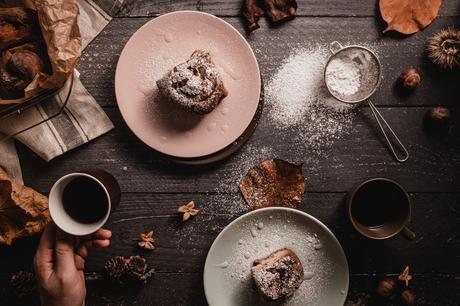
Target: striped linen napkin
[{"x": 82, "y": 120}]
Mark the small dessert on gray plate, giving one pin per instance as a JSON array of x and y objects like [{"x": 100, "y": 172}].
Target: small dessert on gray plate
[
  {"x": 194, "y": 85},
  {"x": 278, "y": 275}
]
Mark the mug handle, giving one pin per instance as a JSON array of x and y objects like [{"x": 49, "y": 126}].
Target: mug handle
[
  {"x": 408, "y": 233},
  {"x": 335, "y": 46}
]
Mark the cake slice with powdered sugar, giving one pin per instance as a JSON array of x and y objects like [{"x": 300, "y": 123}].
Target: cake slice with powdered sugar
[
  {"x": 278, "y": 275},
  {"x": 194, "y": 85}
]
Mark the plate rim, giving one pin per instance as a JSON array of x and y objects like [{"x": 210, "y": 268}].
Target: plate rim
[
  {"x": 252, "y": 54},
  {"x": 275, "y": 208}
]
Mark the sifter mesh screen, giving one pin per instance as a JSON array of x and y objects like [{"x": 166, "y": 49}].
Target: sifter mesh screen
[{"x": 352, "y": 74}]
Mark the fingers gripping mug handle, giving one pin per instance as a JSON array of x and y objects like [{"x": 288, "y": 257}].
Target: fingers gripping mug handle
[{"x": 334, "y": 47}]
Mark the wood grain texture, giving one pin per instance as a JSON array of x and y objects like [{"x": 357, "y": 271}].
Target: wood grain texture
[
  {"x": 357, "y": 154},
  {"x": 182, "y": 247},
  {"x": 273, "y": 45},
  {"x": 168, "y": 289},
  {"x": 153, "y": 188},
  {"x": 135, "y": 8}
]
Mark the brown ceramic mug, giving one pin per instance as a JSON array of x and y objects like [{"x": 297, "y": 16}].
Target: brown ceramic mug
[
  {"x": 380, "y": 208},
  {"x": 81, "y": 202}
]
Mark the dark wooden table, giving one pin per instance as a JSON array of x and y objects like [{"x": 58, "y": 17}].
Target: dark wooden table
[{"x": 153, "y": 189}]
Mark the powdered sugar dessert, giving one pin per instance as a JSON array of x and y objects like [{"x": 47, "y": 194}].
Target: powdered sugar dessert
[
  {"x": 194, "y": 85},
  {"x": 279, "y": 275}
]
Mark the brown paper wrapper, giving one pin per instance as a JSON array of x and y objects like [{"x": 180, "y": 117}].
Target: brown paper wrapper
[
  {"x": 58, "y": 21},
  {"x": 23, "y": 211}
]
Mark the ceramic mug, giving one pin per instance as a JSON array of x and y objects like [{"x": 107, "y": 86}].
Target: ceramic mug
[
  {"x": 380, "y": 208},
  {"x": 109, "y": 192}
]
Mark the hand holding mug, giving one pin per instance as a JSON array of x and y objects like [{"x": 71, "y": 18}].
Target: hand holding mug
[{"x": 59, "y": 263}]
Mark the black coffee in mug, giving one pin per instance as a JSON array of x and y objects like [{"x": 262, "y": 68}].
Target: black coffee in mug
[
  {"x": 379, "y": 202},
  {"x": 85, "y": 200}
]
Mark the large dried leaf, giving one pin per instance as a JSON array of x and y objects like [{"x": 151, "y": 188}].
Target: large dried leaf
[
  {"x": 408, "y": 16},
  {"x": 273, "y": 183},
  {"x": 23, "y": 211}
]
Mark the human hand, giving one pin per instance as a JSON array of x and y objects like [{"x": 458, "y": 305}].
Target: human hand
[{"x": 59, "y": 263}]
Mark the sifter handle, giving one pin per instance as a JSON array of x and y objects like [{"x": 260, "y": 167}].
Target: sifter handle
[
  {"x": 335, "y": 46},
  {"x": 380, "y": 120}
]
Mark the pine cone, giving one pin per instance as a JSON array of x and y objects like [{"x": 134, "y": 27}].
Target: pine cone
[
  {"x": 23, "y": 283},
  {"x": 137, "y": 268},
  {"x": 115, "y": 269}
]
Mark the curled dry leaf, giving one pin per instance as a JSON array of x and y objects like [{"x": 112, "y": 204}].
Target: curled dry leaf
[
  {"x": 252, "y": 13},
  {"x": 277, "y": 11},
  {"x": 408, "y": 16},
  {"x": 146, "y": 241},
  {"x": 280, "y": 10},
  {"x": 23, "y": 211},
  {"x": 273, "y": 183},
  {"x": 188, "y": 210}
]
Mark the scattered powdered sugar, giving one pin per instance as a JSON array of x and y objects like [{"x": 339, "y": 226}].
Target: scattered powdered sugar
[
  {"x": 299, "y": 110},
  {"x": 297, "y": 98},
  {"x": 295, "y": 85},
  {"x": 318, "y": 267}
]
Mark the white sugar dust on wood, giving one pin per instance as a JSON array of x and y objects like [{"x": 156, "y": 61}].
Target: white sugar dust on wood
[{"x": 297, "y": 98}]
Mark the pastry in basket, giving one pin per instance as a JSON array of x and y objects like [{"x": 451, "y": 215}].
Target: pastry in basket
[
  {"x": 194, "y": 85},
  {"x": 279, "y": 275},
  {"x": 17, "y": 25},
  {"x": 19, "y": 66},
  {"x": 23, "y": 51}
]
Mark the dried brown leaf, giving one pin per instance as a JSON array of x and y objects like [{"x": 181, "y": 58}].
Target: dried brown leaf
[
  {"x": 23, "y": 211},
  {"x": 280, "y": 10},
  {"x": 408, "y": 16},
  {"x": 273, "y": 183},
  {"x": 252, "y": 12}
]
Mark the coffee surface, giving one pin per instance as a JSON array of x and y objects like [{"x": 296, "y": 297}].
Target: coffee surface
[
  {"x": 85, "y": 200},
  {"x": 378, "y": 203}
]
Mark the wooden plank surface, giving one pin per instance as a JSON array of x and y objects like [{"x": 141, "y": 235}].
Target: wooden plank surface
[
  {"x": 357, "y": 154},
  {"x": 396, "y": 54},
  {"x": 188, "y": 245},
  {"x": 153, "y": 188},
  {"x": 435, "y": 220},
  {"x": 135, "y": 8},
  {"x": 167, "y": 289}
]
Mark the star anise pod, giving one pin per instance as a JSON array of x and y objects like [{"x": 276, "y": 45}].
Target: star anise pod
[
  {"x": 188, "y": 210},
  {"x": 146, "y": 241},
  {"x": 405, "y": 276}
]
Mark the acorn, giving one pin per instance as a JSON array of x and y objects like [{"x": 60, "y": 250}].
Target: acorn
[
  {"x": 408, "y": 297},
  {"x": 410, "y": 78},
  {"x": 437, "y": 118},
  {"x": 444, "y": 48},
  {"x": 386, "y": 287}
]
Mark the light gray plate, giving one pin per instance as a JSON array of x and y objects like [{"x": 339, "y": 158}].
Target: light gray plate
[{"x": 255, "y": 235}]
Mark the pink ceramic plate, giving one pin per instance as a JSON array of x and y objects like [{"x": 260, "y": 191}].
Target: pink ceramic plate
[{"x": 160, "y": 45}]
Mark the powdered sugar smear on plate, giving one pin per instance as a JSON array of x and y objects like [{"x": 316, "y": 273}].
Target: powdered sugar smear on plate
[{"x": 279, "y": 231}]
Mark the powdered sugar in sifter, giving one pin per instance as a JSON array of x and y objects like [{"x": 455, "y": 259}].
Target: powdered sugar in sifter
[{"x": 352, "y": 75}]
